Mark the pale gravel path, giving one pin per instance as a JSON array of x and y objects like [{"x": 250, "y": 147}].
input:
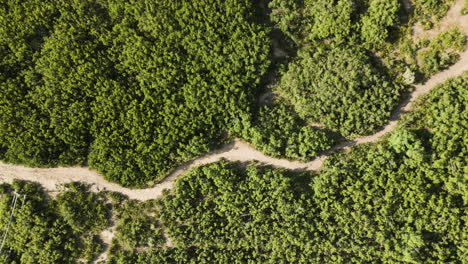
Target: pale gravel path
[
  {"x": 106, "y": 236},
  {"x": 236, "y": 151},
  {"x": 453, "y": 18}
]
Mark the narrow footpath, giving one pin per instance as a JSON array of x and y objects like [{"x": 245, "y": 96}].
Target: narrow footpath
[{"x": 238, "y": 150}]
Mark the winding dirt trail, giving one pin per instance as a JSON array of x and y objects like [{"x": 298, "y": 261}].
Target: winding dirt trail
[{"x": 236, "y": 151}]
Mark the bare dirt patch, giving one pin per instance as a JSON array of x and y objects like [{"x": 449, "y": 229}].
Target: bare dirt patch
[{"x": 452, "y": 19}]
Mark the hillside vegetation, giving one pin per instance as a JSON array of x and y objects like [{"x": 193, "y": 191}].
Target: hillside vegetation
[
  {"x": 132, "y": 88},
  {"x": 356, "y": 59},
  {"x": 39, "y": 230},
  {"x": 402, "y": 200}
]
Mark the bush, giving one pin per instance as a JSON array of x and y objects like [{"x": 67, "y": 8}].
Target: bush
[
  {"x": 83, "y": 211},
  {"x": 441, "y": 51},
  {"x": 46, "y": 231},
  {"x": 279, "y": 132},
  {"x": 340, "y": 88}
]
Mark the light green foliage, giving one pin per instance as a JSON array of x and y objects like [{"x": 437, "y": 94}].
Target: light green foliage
[
  {"x": 137, "y": 230},
  {"x": 407, "y": 143},
  {"x": 406, "y": 196},
  {"x": 131, "y": 88},
  {"x": 442, "y": 51},
  {"x": 279, "y": 132},
  {"x": 379, "y": 16},
  {"x": 354, "y": 22},
  {"x": 391, "y": 205},
  {"x": 402, "y": 200},
  {"x": 465, "y": 8},
  {"x": 340, "y": 89},
  {"x": 327, "y": 19},
  {"x": 51, "y": 231},
  {"x": 285, "y": 15},
  {"x": 409, "y": 76},
  {"x": 427, "y": 10},
  {"x": 221, "y": 209}
]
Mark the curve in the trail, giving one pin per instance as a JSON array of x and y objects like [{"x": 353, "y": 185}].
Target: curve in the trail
[{"x": 236, "y": 151}]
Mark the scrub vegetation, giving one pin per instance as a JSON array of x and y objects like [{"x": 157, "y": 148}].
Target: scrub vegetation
[
  {"x": 130, "y": 88},
  {"x": 401, "y": 200},
  {"x": 134, "y": 89},
  {"x": 361, "y": 54},
  {"x": 38, "y": 229}
]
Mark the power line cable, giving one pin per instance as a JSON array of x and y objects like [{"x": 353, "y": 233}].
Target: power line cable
[{"x": 15, "y": 200}]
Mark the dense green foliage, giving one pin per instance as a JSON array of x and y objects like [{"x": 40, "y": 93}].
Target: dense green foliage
[
  {"x": 407, "y": 197},
  {"x": 222, "y": 213},
  {"x": 279, "y": 132},
  {"x": 357, "y": 22},
  {"x": 402, "y": 200},
  {"x": 443, "y": 118},
  {"x": 135, "y": 88},
  {"x": 426, "y": 11},
  {"x": 51, "y": 231},
  {"x": 362, "y": 96},
  {"x": 132, "y": 87},
  {"x": 356, "y": 57},
  {"x": 441, "y": 51},
  {"x": 83, "y": 211},
  {"x": 336, "y": 80}
]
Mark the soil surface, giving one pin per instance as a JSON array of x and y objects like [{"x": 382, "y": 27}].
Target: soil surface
[
  {"x": 452, "y": 19},
  {"x": 238, "y": 150}
]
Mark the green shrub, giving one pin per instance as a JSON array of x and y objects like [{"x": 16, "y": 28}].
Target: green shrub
[
  {"x": 83, "y": 210},
  {"x": 46, "y": 231},
  {"x": 279, "y": 132},
  {"x": 441, "y": 51},
  {"x": 340, "y": 88}
]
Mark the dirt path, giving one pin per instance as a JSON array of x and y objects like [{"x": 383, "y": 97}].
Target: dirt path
[
  {"x": 236, "y": 151},
  {"x": 453, "y": 18},
  {"x": 106, "y": 236}
]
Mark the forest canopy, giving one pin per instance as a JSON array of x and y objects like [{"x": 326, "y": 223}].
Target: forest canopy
[
  {"x": 131, "y": 88},
  {"x": 38, "y": 229},
  {"x": 401, "y": 200},
  {"x": 363, "y": 97},
  {"x": 356, "y": 59},
  {"x": 337, "y": 78},
  {"x": 134, "y": 89}
]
